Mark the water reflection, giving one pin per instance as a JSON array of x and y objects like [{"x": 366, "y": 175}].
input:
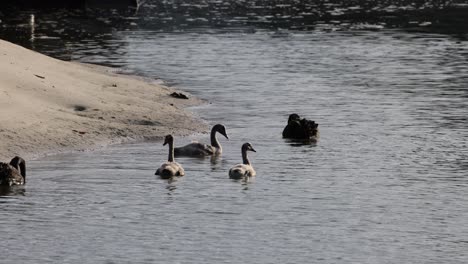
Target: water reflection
[
  {"x": 59, "y": 28},
  {"x": 171, "y": 185},
  {"x": 32, "y": 25},
  {"x": 300, "y": 142},
  {"x": 12, "y": 191}
]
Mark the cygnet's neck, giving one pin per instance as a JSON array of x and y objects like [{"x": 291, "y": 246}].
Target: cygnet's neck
[
  {"x": 245, "y": 159},
  {"x": 171, "y": 151}
]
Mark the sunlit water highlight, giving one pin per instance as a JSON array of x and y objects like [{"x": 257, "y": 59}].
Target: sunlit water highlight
[{"x": 386, "y": 182}]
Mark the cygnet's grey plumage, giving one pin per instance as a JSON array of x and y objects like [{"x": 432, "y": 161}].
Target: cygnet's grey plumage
[
  {"x": 197, "y": 149},
  {"x": 244, "y": 169},
  {"x": 170, "y": 168},
  {"x": 13, "y": 173}
]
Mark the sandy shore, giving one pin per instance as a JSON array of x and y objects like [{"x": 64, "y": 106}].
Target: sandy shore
[{"x": 49, "y": 106}]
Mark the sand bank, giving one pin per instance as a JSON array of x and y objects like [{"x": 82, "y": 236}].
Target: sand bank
[{"x": 49, "y": 106}]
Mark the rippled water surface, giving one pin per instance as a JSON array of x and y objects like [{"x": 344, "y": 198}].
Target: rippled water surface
[{"x": 386, "y": 183}]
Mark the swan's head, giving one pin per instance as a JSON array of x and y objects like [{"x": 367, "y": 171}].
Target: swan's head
[
  {"x": 248, "y": 147},
  {"x": 294, "y": 118},
  {"x": 168, "y": 139},
  {"x": 221, "y": 129}
]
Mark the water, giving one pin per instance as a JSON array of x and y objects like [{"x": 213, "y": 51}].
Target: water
[{"x": 386, "y": 182}]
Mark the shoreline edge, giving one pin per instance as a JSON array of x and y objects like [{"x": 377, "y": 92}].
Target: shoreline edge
[{"x": 49, "y": 106}]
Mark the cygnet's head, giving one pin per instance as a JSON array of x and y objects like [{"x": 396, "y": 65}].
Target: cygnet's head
[
  {"x": 168, "y": 139},
  {"x": 248, "y": 147}
]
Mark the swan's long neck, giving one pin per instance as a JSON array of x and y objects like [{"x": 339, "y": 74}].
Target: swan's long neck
[
  {"x": 171, "y": 151},
  {"x": 20, "y": 165},
  {"x": 214, "y": 140},
  {"x": 245, "y": 159}
]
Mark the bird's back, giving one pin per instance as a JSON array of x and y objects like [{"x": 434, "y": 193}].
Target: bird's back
[
  {"x": 194, "y": 149},
  {"x": 170, "y": 169},
  {"x": 241, "y": 170},
  {"x": 293, "y": 130},
  {"x": 9, "y": 175},
  {"x": 303, "y": 129}
]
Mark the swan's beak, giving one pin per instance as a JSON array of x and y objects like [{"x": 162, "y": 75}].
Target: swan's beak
[
  {"x": 252, "y": 149},
  {"x": 225, "y": 135},
  {"x": 165, "y": 143}
]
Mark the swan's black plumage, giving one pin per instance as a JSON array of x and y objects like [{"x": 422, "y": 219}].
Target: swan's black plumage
[
  {"x": 300, "y": 128},
  {"x": 13, "y": 173}
]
